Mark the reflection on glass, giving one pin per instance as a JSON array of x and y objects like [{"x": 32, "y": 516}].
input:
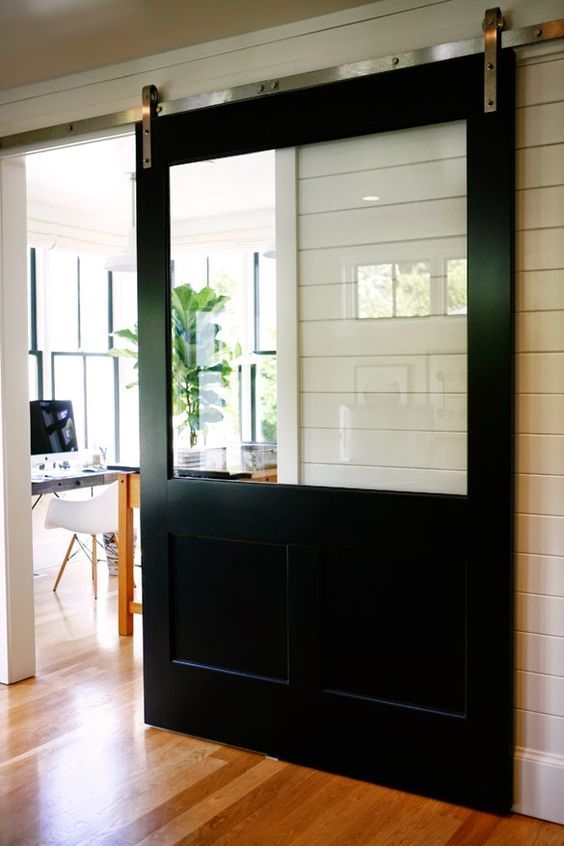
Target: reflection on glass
[
  {"x": 266, "y": 406},
  {"x": 265, "y": 302},
  {"x": 382, "y": 363},
  {"x": 457, "y": 284},
  {"x": 394, "y": 289},
  {"x": 223, "y": 316}
]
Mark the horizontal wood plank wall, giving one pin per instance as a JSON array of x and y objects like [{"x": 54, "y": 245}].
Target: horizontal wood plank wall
[
  {"x": 539, "y": 542},
  {"x": 383, "y": 402}
]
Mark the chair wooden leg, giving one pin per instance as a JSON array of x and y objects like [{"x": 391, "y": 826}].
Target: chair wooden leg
[
  {"x": 64, "y": 564},
  {"x": 94, "y": 567}
]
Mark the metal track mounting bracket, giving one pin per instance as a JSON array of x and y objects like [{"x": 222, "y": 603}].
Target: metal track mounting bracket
[
  {"x": 150, "y": 100},
  {"x": 492, "y": 25}
]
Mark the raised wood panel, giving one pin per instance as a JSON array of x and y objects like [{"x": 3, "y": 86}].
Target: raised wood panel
[
  {"x": 541, "y": 373},
  {"x": 540, "y": 693},
  {"x": 385, "y": 478},
  {"x": 429, "y": 412},
  {"x": 540, "y": 83},
  {"x": 538, "y": 166},
  {"x": 540, "y": 414},
  {"x": 432, "y": 450},
  {"x": 539, "y": 731},
  {"x": 540, "y": 574},
  {"x": 540, "y": 249},
  {"x": 539, "y": 614},
  {"x": 540, "y": 495},
  {"x": 391, "y": 652},
  {"x": 540, "y": 454},
  {"x": 539, "y": 290},
  {"x": 429, "y": 219},
  {"x": 386, "y": 374},
  {"x": 409, "y": 183},
  {"x": 395, "y": 336},
  {"x": 539, "y": 208},
  {"x": 539, "y": 653},
  {"x": 539, "y": 534},
  {"x": 538, "y": 125},
  {"x": 338, "y": 264},
  {"x": 427, "y": 143},
  {"x": 229, "y": 605}
]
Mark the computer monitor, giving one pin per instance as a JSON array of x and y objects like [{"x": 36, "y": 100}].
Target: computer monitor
[{"x": 52, "y": 427}]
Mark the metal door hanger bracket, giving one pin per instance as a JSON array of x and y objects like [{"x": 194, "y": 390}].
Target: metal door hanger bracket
[
  {"x": 491, "y": 26},
  {"x": 149, "y": 106}
]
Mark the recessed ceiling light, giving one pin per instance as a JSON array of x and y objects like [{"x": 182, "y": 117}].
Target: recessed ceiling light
[{"x": 370, "y": 198}]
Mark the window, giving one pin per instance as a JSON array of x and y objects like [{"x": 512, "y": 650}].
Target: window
[{"x": 77, "y": 322}]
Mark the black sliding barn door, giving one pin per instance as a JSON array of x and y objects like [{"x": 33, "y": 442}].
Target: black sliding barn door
[{"x": 358, "y": 630}]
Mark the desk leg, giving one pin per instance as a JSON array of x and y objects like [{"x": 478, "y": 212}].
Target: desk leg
[{"x": 125, "y": 558}]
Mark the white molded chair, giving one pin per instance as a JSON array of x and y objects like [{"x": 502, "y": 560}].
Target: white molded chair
[{"x": 94, "y": 516}]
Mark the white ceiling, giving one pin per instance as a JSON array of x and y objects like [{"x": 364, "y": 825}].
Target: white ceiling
[
  {"x": 88, "y": 187},
  {"x": 42, "y": 39}
]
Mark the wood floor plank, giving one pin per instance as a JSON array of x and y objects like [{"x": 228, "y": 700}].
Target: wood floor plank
[
  {"x": 476, "y": 830},
  {"x": 242, "y": 820},
  {"x": 78, "y": 767},
  {"x": 176, "y": 830},
  {"x": 233, "y": 762}
]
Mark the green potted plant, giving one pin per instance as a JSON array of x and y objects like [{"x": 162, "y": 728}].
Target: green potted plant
[{"x": 201, "y": 361}]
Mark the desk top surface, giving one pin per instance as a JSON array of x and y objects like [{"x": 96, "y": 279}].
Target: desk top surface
[{"x": 70, "y": 480}]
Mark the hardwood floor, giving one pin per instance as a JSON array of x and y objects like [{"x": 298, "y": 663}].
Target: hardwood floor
[{"x": 78, "y": 766}]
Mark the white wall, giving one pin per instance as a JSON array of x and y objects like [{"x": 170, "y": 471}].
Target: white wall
[
  {"x": 540, "y": 437},
  {"x": 540, "y": 500}
]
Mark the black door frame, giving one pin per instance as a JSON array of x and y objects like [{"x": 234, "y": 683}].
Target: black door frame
[{"x": 465, "y": 757}]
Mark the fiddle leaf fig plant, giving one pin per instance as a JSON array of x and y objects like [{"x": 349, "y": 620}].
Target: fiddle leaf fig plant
[{"x": 201, "y": 361}]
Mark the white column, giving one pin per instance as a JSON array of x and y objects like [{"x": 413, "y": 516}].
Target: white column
[
  {"x": 287, "y": 317},
  {"x": 17, "y": 628}
]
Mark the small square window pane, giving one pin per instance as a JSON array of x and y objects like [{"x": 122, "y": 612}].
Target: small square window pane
[
  {"x": 266, "y": 402},
  {"x": 93, "y": 305},
  {"x": 394, "y": 289},
  {"x": 68, "y": 377},
  {"x": 266, "y": 306},
  {"x": 100, "y": 402},
  {"x": 61, "y": 300}
]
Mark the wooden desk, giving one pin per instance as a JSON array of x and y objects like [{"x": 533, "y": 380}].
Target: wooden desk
[
  {"x": 71, "y": 481},
  {"x": 129, "y": 498}
]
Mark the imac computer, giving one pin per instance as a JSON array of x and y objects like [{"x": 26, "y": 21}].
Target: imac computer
[{"x": 52, "y": 427}]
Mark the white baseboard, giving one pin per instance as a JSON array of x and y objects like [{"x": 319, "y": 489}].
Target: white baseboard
[{"x": 539, "y": 785}]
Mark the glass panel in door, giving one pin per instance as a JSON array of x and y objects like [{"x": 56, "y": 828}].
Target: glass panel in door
[
  {"x": 223, "y": 317},
  {"x": 382, "y": 258},
  {"x": 381, "y": 359}
]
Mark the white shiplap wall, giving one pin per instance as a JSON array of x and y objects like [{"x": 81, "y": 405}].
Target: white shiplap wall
[
  {"x": 383, "y": 401},
  {"x": 539, "y": 542}
]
